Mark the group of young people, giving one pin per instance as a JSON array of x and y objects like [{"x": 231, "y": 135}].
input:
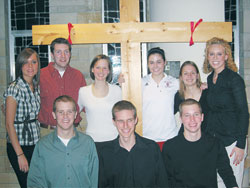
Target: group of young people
[{"x": 213, "y": 131}]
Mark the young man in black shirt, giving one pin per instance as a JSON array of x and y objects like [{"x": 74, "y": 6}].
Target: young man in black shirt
[
  {"x": 192, "y": 159},
  {"x": 129, "y": 160}
]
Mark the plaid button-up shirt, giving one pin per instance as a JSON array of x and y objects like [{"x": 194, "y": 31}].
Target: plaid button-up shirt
[{"x": 28, "y": 106}]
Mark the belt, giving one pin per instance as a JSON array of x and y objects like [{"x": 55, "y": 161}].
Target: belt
[
  {"x": 52, "y": 126},
  {"x": 25, "y": 127}
]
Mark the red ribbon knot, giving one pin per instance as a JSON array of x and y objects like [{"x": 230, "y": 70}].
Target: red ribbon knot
[
  {"x": 191, "y": 42},
  {"x": 70, "y": 26}
]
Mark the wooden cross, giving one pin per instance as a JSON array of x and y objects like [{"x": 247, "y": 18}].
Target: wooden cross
[{"x": 130, "y": 32}]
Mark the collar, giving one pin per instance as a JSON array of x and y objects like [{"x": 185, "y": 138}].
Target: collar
[
  {"x": 166, "y": 82},
  {"x": 151, "y": 80},
  {"x": 191, "y": 142},
  {"x": 223, "y": 72},
  {"x": 22, "y": 82},
  {"x": 55, "y": 138},
  {"x": 138, "y": 143},
  {"x": 54, "y": 71}
]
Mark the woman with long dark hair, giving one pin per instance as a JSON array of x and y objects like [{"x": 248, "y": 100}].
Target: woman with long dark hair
[{"x": 22, "y": 104}]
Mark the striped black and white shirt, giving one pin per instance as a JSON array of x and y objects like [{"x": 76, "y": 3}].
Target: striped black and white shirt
[{"x": 28, "y": 105}]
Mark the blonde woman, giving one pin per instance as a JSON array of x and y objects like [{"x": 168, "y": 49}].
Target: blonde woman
[{"x": 228, "y": 115}]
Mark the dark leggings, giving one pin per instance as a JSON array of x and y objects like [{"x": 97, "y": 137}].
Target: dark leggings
[{"x": 28, "y": 151}]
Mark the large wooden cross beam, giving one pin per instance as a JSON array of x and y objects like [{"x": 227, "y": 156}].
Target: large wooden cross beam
[{"x": 131, "y": 33}]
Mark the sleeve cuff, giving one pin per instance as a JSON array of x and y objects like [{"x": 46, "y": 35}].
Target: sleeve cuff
[{"x": 241, "y": 143}]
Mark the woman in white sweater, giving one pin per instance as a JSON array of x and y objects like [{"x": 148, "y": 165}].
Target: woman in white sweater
[{"x": 98, "y": 100}]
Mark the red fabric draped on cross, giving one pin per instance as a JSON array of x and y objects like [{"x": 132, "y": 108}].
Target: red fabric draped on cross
[
  {"x": 191, "y": 42},
  {"x": 70, "y": 26}
]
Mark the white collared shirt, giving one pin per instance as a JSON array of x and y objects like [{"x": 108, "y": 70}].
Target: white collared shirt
[{"x": 158, "y": 108}]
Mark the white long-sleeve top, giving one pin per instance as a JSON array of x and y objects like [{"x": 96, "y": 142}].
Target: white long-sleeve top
[{"x": 99, "y": 112}]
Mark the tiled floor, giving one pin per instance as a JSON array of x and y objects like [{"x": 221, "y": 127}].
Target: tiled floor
[{"x": 8, "y": 180}]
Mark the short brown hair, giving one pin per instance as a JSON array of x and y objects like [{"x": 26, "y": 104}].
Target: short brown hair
[
  {"x": 64, "y": 98},
  {"x": 123, "y": 105},
  {"x": 59, "y": 41}
]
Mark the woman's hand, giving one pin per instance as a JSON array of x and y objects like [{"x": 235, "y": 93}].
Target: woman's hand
[
  {"x": 23, "y": 163},
  {"x": 239, "y": 155},
  {"x": 121, "y": 79},
  {"x": 204, "y": 86}
]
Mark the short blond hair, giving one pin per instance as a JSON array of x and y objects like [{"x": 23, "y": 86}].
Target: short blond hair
[{"x": 189, "y": 102}]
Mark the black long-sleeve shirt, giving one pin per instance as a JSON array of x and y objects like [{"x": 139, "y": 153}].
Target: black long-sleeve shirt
[
  {"x": 228, "y": 116},
  {"x": 195, "y": 164},
  {"x": 141, "y": 167}
]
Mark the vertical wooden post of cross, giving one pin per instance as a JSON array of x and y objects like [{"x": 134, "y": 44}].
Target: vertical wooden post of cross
[{"x": 131, "y": 60}]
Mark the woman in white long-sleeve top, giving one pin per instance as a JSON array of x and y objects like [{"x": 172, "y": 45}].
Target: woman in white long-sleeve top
[{"x": 98, "y": 100}]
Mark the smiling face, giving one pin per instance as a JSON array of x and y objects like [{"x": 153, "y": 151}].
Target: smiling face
[
  {"x": 217, "y": 57},
  {"x": 65, "y": 115},
  {"x": 30, "y": 68},
  {"x": 191, "y": 117},
  {"x": 156, "y": 64},
  {"x": 125, "y": 123},
  {"x": 189, "y": 75},
  {"x": 101, "y": 70},
  {"x": 61, "y": 56}
]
